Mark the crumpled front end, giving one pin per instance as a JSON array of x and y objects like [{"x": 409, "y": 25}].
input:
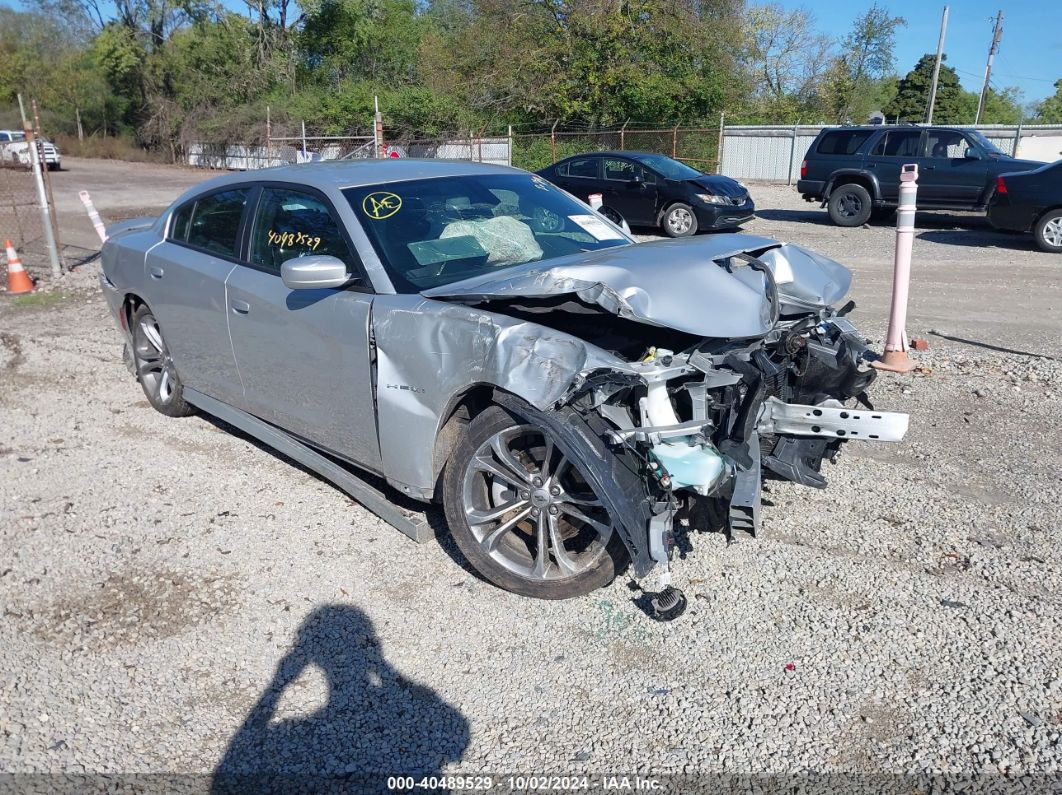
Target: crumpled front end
[{"x": 681, "y": 425}]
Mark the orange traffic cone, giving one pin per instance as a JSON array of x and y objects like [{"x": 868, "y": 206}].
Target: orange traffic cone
[{"x": 18, "y": 281}]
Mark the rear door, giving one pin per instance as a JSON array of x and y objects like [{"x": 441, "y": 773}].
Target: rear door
[
  {"x": 580, "y": 176},
  {"x": 185, "y": 288},
  {"x": 304, "y": 355},
  {"x": 630, "y": 190},
  {"x": 946, "y": 175},
  {"x": 892, "y": 150}
]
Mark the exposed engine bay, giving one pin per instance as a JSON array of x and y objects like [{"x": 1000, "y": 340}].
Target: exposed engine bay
[{"x": 689, "y": 426}]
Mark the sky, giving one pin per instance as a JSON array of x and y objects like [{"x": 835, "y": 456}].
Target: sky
[{"x": 1029, "y": 55}]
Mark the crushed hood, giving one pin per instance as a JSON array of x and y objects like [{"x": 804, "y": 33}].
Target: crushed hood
[
  {"x": 669, "y": 283},
  {"x": 721, "y": 185}
]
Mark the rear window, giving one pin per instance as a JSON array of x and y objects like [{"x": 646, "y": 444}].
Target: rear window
[{"x": 842, "y": 142}]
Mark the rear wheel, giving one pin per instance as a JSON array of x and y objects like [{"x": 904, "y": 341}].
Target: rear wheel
[
  {"x": 849, "y": 205},
  {"x": 523, "y": 514},
  {"x": 154, "y": 366},
  {"x": 1048, "y": 231}
]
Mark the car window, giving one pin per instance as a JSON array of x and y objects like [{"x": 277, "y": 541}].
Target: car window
[
  {"x": 669, "y": 168},
  {"x": 946, "y": 144},
  {"x": 181, "y": 222},
  {"x": 431, "y": 232},
  {"x": 215, "y": 224},
  {"x": 583, "y": 167},
  {"x": 620, "y": 170},
  {"x": 898, "y": 143},
  {"x": 292, "y": 223},
  {"x": 842, "y": 142}
]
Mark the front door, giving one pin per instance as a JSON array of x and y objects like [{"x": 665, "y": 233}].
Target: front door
[
  {"x": 630, "y": 190},
  {"x": 185, "y": 288},
  {"x": 304, "y": 355},
  {"x": 893, "y": 150},
  {"x": 946, "y": 175}
]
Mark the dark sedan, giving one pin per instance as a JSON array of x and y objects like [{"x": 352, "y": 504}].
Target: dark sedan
[
  {"x": 1030, "y": 201},
  {"x": 646, "y": 189}
]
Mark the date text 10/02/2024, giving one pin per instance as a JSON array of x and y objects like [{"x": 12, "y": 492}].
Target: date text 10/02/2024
[{"x": 614, "y": 783}]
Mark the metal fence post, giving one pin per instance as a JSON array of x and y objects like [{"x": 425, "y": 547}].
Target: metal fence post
[
  {"x": 509, "y": 156},
  {"x": 269, "y": 138},
  {"x": 719, "y": 144},
  {"x": 42, "y": 196},
  {"x": 1017, "y": 138},
  {"x": 674, "y": 142},
  {"x": 623, "y": 131},
  {"x": 553, "y": 141},
  {"x": 792, "y": 156},
  {"x": 48, "y": 186}
]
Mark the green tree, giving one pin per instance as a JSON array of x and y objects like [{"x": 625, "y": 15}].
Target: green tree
[
  {"x": 1049, "y": 111},
  {"x": 912, "y": 95},
  {"x": 853, "y": 82},
  {"x": 784, "y": 57}
]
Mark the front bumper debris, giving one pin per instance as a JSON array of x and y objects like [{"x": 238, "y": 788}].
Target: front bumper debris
[{"x": 831, "y": 420}]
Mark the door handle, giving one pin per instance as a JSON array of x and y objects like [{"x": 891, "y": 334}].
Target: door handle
[
  {"x": 929, "y": 168},
  {"x": 156, "y": 272},
  {"x": 240, "y": 307}
]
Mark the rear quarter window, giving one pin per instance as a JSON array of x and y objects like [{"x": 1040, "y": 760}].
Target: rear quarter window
[{"x": 842, "y": 142}]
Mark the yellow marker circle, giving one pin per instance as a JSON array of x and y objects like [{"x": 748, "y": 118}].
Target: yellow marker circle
[{"x": 381, "y": 205}]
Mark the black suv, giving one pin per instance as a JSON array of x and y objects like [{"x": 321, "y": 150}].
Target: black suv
[{"x": 855, "y": 171}]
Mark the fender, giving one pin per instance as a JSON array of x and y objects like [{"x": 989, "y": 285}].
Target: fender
[{"x": 875, "y": 187}]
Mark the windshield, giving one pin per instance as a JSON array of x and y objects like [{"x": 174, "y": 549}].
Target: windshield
[
  {"x": 988, "y": 146},
  {"x": 437, "y": 231},
  {"x": 665, "y": 166}
]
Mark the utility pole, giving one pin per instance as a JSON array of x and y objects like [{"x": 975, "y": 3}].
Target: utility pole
[
  {"x": 996, "y": 35},
  {"x": 936, "y": 67}
]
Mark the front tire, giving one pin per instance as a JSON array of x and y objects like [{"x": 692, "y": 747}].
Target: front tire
[
  {"x": 523, "y": 515},
  {"x": 154, "y": 366},
  {"x": 849, "y": 205},
  {"x": 679, "y": 221},
  {"x": 1048, "y": 232}
]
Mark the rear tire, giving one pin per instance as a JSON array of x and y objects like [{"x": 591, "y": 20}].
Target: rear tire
[
  {"x": 1048, "y": 231},
  {"x": 154, "y": 367},
  {"x": 523, "y": 516},
  {"x": 849, "y": 205}
]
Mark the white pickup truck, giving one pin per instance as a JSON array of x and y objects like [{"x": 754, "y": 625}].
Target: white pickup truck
[{"x": 14, "y": 150}]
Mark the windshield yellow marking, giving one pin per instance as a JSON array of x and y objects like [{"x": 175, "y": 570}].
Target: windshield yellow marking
[{"x": 381, "y": 205}]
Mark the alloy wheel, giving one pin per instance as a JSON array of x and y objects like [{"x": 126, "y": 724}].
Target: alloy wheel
[
  {"x": 530, "y": 509},
  {"x": 154, "y": 366}
]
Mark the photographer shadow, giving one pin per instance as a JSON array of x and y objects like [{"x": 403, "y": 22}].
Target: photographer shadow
[{"x": 376, "y": 722}]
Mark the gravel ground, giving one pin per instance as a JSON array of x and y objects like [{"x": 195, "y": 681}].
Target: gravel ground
[{"x": 177, "y": 599}]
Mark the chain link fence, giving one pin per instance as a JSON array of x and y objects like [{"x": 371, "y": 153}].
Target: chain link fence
[{"x": 21, "y": 219}]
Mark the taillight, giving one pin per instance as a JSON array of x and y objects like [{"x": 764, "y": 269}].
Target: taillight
[
  {"x": 804, "y": 169},
  {"x": 1001, "y": 186}
]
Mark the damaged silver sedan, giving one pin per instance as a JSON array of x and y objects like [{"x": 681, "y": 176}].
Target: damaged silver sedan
[{"x": 473, "y": 335}]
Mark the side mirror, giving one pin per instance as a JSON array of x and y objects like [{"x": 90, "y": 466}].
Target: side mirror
[
  {"x": 971, "y": 154},
  {"x": 316, "y": 272},
  {"x": 638, "y": 179}
]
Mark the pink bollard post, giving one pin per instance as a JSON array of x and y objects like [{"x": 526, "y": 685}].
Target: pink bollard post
[
  {"x": 895, "y": 358},
  {"x": 94, "y": 216},
  {"x": 596, "y": 200}
]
